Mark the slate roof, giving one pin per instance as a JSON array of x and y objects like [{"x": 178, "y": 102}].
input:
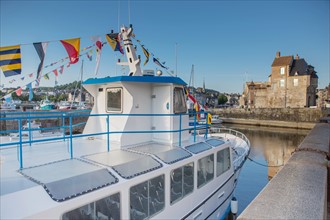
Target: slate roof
[
  {"x": 299, "y": 66},
  {"x": 282, "y": 61}
]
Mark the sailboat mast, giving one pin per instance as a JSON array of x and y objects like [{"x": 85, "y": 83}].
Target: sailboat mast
[{"x": 81, "y": 78}]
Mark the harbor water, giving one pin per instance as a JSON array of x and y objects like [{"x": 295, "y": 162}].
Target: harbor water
[{"x": 270, "y": 149}]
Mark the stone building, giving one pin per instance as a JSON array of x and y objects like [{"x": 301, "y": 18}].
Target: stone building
[
  {"x": 292, "y": 83},
  {"x": 323, "y": 100}
]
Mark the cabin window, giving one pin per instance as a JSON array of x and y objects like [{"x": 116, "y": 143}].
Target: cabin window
[
  {"x": 295, "y": 82},
  {"x": 106, "y": 208},
  {"x": 147, "y": 198},
  {"x": 179, "y": 101},
  {"x": 114, "y": 99},
  {"x": 182, "y": 182},
  {"x": 205, "y": 170},
  {"x": 223, "y": 161},
  {"x": 282, "y": 70}
]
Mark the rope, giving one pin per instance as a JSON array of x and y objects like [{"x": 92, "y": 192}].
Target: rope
[
  {"x": 313, "y": 150},
  {"x": 264, "y": 164}
]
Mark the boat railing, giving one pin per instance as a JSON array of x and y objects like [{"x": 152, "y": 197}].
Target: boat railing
[{"x": 66, "y": 122}]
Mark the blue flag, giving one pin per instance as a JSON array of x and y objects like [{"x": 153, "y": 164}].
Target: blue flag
[
  {"x": 158, "y": 63},
  {"x": 29, "y": 86},
  {"x": 8, "y": 98}
]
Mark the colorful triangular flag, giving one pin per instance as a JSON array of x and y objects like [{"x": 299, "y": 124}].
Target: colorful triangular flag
[{"x": 72, "y": 47}]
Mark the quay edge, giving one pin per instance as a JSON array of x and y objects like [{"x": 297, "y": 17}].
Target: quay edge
[
  {"x": 299, "y": 190},
  {"x": 270, "y": 123}
]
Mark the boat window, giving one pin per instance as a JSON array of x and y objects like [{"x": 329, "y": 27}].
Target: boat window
[
  {"x": 114, "y": 99},
  {"x": 179, "y": 101},
  {"x": 205, "y": 170},
  {"x": 106, "y": 208},
  {"x": 182, "y": 182},
  {"x": 147, "y": 198},
  {"x": 223, "y": 161}
]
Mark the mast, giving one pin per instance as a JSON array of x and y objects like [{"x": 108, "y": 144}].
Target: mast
[{"x": 133, "y": 61}]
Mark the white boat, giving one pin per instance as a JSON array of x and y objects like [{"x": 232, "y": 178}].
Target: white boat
[
  {"x": 216, "y": 119},
  {"x": 46, "y": 104},
  {"x": 136, "y": 158},
  {"x": 33, "y": 130},
  {"x": 8, "y": 106}
]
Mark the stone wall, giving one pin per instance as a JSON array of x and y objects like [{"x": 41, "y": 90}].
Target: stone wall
[{"x": 277, "y": 114}]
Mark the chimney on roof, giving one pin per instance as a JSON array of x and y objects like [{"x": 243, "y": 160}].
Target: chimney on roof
[
  {"x": 278, "y": 54},
  {"x": 297, "y": 57}
]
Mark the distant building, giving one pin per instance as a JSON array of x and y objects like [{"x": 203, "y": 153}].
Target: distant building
[
  {"x": 323, "y": 97},
  {"x": 292, "y": 83}
]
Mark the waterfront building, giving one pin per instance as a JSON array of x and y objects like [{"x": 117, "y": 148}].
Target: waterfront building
[
  {"x": 292, "y": 83},
  {"x": 323, "y": 97}
]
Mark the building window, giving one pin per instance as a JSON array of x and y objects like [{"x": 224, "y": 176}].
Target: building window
[
  {"x": 106, "y": 208},
  {"x": 223, "y": 161},
  {"x": 114, "y": 99},
  {"x": 282, "y": 82},
  {"x": 282, "y": 70},
  {"x": 179, "y": 101},
  {"x": 182, "y": 182},
  {"x": 147, "y": 198},
  {"x": 205, "y": 170},
  {"x": 295, "y": 82}
]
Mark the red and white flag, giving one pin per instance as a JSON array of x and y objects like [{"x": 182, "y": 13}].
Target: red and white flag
[{"x": 98, "y": 45}]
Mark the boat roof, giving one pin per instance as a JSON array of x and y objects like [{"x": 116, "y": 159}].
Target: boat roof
[{"x": 142, "y": 79}]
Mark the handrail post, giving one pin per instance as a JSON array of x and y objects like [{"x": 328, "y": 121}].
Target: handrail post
[
  {"x": 71, "y": 151},
  {"x": 63, "y": 125},
  {"x": 207, "y": 123},
  {"x": 20, "y": 144},
  {"x": 195, "y": 127},
  {"x": 180, "y": 128},
  {"x": 108, "y": 133},
  {"x": 30, "y": 134}
]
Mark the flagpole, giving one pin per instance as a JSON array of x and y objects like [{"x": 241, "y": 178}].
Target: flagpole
[
  {"x": 176, "y": 59},
  {"x": 81, "y": 78}
]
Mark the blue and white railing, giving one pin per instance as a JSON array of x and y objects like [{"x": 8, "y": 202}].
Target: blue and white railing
[{"x": 65, "y": 124}]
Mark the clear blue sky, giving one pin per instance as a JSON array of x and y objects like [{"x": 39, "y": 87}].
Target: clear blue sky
[{"x": 227, "y": 41}]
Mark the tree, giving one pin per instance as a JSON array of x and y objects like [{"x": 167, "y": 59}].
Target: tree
[{"x": 222, "y": 99}]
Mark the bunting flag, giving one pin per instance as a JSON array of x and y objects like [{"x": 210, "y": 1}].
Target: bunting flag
[
  {"x": 10, "y": 60},
  {"x": 146, "y": 53},
  {"x": 72, "y": 47},
  {"x": 98, "y": 45},
  {"x": 61, "y": 69},
  {"x": 29, "y": 86},
  {"x": 41, "y": 50},
  {"x": 56, "y": 80},
  {"x": 8, "y": 98},
  {"x": 159, "y": 64},
  {"x": 37, "y": 82},
  {"x": 209, "y": 118},
  {"x": 55, "y": 72},
  {"x": 197, "y": 108},
  {"x": 31, "y": 75},
  {"x": 22, "y": 78},
  {"x": 114, "y": 42},
  {"x": 19, "y": 91},
  {"x": 89, "y": 55},
  {"x": 46, "y": 76}
]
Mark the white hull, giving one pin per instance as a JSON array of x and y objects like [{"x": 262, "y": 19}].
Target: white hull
[{"x": 210, "y": 201}]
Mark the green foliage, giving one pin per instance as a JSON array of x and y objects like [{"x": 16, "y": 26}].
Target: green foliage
[{"x": 222, "y": 99}]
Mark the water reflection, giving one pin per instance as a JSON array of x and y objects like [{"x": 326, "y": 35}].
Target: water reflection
[{"x": 270, "y": 149}]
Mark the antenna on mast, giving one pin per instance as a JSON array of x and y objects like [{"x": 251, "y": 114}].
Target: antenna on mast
[
  {"x": 191, "y": 80},
  {"x": 129, "y": 11},
  {"x": 118, "y": 15}
]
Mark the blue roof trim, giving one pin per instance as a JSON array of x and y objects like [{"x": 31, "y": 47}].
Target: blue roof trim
[{"x": 143, "y": 79}]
